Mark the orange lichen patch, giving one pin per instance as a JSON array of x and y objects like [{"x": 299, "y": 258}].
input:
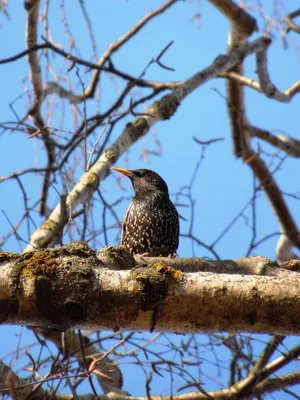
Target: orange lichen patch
[
  {"x": 173, "y": 276},
  {"x": 40, "y": 264}
]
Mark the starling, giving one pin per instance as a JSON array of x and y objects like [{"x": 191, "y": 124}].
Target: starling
[{"x": 151, "y": 223}]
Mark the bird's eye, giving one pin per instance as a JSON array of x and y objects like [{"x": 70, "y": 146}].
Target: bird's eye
[{"x": 141, "y": 174}]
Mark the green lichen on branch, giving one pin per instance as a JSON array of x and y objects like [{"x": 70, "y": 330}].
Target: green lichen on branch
[
  {"x": 62, "y": 279},
  {"x": 165, "y": 107},
  {"x": 141, "y": 125},
  {"x": 33, "y": 266},
  {"x": 92, "y": 180},
  {"x": 271, "y": 263},
  {"x": 155, "y": 282},
  {"x": 48, "y": 225},
  {"x": 112, "y": 154},
  {"x": 80, "y": 249}
]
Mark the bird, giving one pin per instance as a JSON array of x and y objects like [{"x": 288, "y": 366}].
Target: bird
[{"x": 151, "y": 223}]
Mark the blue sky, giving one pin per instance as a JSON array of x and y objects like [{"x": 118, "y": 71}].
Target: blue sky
[{"x": 223, "y": 185}]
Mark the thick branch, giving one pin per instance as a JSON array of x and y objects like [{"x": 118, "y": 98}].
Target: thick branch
[{"x": 70, "y": 287}]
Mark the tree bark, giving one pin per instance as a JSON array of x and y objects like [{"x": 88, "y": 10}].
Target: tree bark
[{"x": 71, "y": 287}]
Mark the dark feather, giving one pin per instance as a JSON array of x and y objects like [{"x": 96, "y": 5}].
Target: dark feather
[{"x": 151, "y": 222}]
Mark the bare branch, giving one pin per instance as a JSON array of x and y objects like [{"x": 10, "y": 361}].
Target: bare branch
[
  {"x": 75, "y": 348},
  {"x": 253, "y": 84},
  {"x": 290, "y": 23},
  {"x": 267, "y": 86},
  {"x": 287, "y": 144}
]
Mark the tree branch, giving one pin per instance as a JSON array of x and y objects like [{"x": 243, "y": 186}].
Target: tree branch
[
  {"x": 287, "y": 144},
  {"x": 243, "y": 22},
  {"x": 70, "y": 287},
  {"x": 268, "y": 86},
  {"x": 290, "y": 23},
  {"x": 38, "y": 90},
  {"x": 288, "y": 94}
]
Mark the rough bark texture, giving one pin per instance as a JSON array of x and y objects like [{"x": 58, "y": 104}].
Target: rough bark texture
[{"x": 71, "y": 287}]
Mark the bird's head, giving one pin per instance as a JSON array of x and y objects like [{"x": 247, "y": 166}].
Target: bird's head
[{"x": 144, "y": 180}]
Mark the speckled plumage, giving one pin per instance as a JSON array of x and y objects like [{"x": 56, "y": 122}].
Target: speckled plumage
[{"x": 151, "y": 223}]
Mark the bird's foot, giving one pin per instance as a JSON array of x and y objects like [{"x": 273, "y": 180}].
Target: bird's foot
[
  {"x": 173, "y": 255},
  {"x": 142, "y": 256}
]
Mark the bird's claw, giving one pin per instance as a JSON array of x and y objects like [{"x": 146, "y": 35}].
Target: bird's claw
[{"x": 173, "y": 255}]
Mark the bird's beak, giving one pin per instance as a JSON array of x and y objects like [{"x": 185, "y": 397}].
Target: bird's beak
[{"x": 123, "y": 171}]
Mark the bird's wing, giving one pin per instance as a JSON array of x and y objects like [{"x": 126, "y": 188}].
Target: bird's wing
[
  {"x": 177, "y": 227},
  {"x": 178, "y": 232},
  {"x": 124, "y": 224}
]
